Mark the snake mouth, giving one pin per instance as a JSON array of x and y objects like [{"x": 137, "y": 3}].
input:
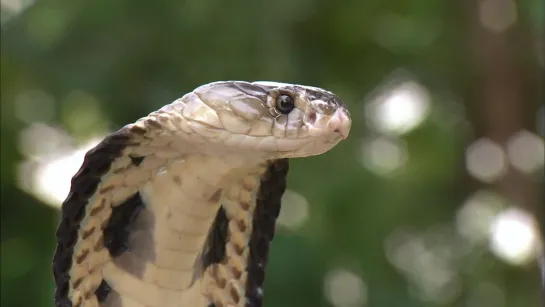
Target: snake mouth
[{"x": 316, "y": 141}]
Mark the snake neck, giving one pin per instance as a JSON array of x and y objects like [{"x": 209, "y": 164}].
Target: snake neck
[
  {"x": 167, "y": 246},
  {"x": 200, "y": 178},
  {"x": 186, "y": 193}
]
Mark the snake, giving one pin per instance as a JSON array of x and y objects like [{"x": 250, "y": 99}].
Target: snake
[{"x": 179, "y": 208}]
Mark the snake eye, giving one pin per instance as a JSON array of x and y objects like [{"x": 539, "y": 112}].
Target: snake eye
[{"x": 284, "y": 104}]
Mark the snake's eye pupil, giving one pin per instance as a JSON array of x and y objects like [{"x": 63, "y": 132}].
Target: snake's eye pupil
[{"x": 284, "y": 104}]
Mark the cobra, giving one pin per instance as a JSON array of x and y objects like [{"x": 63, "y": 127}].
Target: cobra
[{"x": 179, "y": 208}]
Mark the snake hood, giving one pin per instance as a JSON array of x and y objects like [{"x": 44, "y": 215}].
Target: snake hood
[{"x": 178, "y": 209}]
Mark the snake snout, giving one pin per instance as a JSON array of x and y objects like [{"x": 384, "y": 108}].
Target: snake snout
[
  {"x": 322, "y": 125},
  {"x": 340, "y": 122}
]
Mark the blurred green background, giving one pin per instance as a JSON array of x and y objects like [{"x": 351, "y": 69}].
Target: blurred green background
[{"x": 433, "y": 199}]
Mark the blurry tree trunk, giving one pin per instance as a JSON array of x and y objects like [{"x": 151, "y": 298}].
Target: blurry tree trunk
[{"x": 502, "y": 96}]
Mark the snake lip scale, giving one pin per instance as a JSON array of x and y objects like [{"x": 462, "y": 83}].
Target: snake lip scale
[{"x": 178, "y": 209}]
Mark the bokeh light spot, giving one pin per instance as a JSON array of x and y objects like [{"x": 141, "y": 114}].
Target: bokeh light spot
[
  {"x": 383, "y": 155},
  {"x": 34, "y": 106},
  {"x": 13, "y": 8},
  {"x": 399, "y": 109},
  {"x": 526, "y": 151},
  {"x": 485, "y": 160},
  {"x": 82, "y": 113},
  {"x": 48, "y": 175},
  {"x": 498, "y": 15},
  {"x": 474, "y": 218},
  {"x": 41, "y": 140},
  {"x": 427, "y": 261},
  {"x": 294, "y": 211},
  {"x": 345, "y": 289},
  {"x": 513, "y": 236},
  {"x": 403, "y": 34}
]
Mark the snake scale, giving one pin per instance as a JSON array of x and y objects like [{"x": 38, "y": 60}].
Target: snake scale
[{"x": 178, "y": 209}]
